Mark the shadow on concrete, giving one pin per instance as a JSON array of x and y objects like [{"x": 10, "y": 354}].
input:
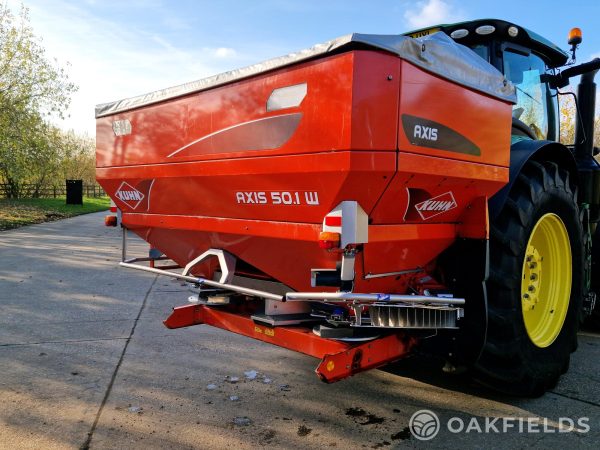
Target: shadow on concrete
[{"x": 67, "y": 312}]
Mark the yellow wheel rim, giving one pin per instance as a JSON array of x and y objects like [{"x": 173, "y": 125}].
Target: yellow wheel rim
[{"x": 546, "y": 281}]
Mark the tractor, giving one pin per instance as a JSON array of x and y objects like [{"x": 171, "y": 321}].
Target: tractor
[{"x": 542, "y": 273}]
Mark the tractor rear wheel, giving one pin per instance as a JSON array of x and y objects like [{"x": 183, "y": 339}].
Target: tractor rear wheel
[{"x": 535, "y": 284}]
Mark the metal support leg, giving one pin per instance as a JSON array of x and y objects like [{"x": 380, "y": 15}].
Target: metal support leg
[
  {"x": 347, "y": 270},
  {"x": 124, "y": 244}
]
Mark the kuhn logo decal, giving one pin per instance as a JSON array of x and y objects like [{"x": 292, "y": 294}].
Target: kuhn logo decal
[
  {"x": 129, "y": 195},
  {"x": 436, "y": 205}
]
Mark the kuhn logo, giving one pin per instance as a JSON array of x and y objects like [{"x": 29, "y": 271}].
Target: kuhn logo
[
  {"x": 129, "y": 195},
  {"x": 436, "y": 205}
]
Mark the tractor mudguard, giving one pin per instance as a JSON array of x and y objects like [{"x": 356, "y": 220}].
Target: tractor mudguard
[
  {"x": 465, "y": 265},
  {"x": 524, "y": 150}
]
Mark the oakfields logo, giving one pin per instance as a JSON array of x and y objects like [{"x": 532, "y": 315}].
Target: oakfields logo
[
  {"x": 425, "y": 425},
  {"x": 436, "y": 205},
  {"x": 129, "y": 195}
]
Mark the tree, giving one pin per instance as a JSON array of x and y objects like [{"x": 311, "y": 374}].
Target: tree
[
  {"x": 568, "y": 115},
  {"x": 77, "y": 158},
  {"x": 32, "y": 89},
  {"x": 27, "y": 78}
]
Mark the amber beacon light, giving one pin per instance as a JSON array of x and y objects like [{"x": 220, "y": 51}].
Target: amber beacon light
[{"x": 575, "y": 36}]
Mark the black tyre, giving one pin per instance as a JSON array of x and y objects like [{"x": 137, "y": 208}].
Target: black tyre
[{"x": 535, "y": 284}]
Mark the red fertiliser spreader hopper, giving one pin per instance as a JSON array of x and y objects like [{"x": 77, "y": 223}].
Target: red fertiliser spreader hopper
[{"x": 332, "y": 201}]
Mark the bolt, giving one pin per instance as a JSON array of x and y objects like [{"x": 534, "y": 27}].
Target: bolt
[
  {"x": 533, "y": 265},
  {"x": 533, "y": 277},
  {"x": 529, "y": 258},
  {"x": 525, "y": 295},
  {"x": 531, "y": 288}
]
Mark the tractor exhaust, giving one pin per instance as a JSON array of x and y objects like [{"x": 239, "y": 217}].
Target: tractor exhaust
[{"x": 587, "y": 166}]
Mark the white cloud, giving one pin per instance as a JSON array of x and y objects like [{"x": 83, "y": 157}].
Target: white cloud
[
  {"x": 225, "y": 52},
  {"x": 432, "y": 12}
]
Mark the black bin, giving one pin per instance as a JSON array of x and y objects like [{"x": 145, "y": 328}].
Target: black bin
[{"x": 74, "y": 192}]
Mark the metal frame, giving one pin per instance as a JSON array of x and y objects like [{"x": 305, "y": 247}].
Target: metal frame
[
  {"x": 226, "y": 262},
  {"x": 227, "y": 268},
  {"x": 204, "y": 282},
  {"x": 339, "y": 360},
  {"x": 331, "y": 297},
  {"x": 148, "y": 259}
]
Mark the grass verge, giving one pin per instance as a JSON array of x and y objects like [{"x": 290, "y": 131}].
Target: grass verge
[{"x": 16, "y": 213}]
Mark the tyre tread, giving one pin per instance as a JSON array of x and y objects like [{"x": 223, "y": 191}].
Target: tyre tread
[{"x": 504, "y": 364}]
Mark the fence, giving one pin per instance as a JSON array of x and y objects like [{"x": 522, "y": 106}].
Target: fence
[{"x": 35, "y": 191}]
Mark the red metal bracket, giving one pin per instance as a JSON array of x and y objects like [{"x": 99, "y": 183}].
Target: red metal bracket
[
  {"x": 339, "y": 359},
  {"x": 366, "y": 356}
]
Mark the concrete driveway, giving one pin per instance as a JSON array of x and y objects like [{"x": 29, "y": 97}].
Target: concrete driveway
[{"x": 86, "y": 363}]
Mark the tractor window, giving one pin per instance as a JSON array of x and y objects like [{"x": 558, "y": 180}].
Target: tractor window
[
  {"x": 482, "y": 50},
  {"x": 534, "y": 104}
]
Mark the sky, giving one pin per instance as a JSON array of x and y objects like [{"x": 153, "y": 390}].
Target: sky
[{"x": 118, "y": 49}]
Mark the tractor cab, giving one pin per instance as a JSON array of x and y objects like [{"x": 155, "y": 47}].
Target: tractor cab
[
  {"x": 531, "y": 63},
  {"x": 524, "y": 57}
]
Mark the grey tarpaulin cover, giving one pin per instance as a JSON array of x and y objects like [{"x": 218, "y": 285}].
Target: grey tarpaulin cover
[{"x": 436, "y": 53}]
